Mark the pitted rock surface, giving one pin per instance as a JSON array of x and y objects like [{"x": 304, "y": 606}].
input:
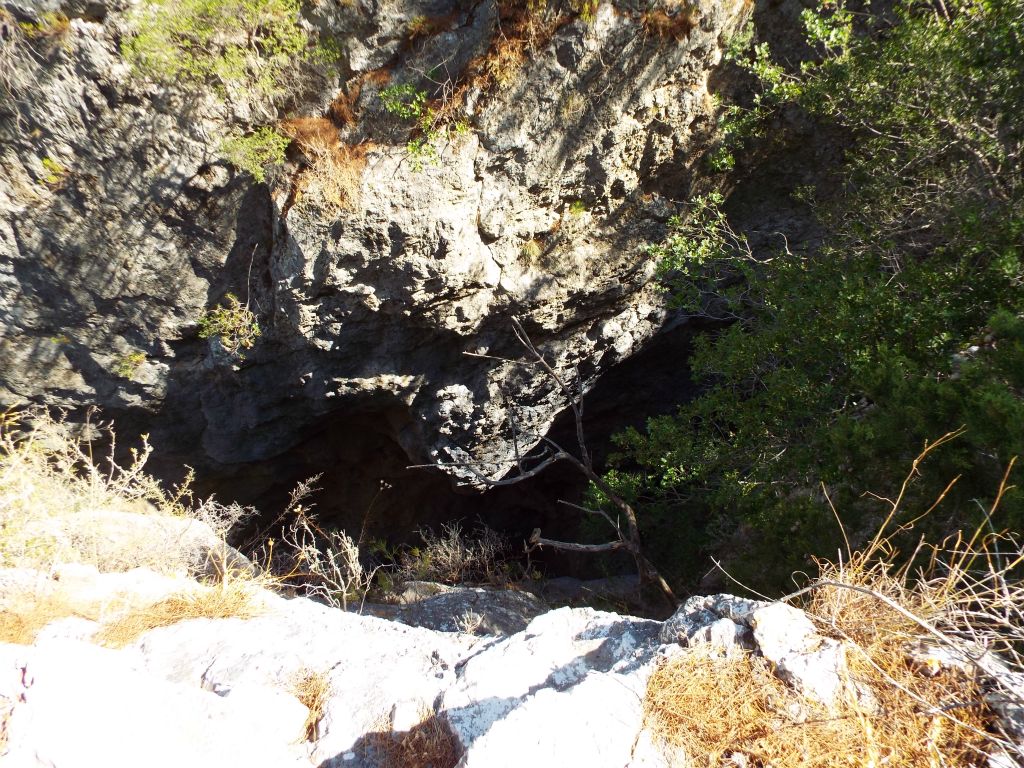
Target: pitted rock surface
[{"x": 394, "y": 311}]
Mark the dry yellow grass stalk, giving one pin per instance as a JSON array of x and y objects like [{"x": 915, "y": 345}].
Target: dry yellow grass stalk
[
  {"x": 716, "y": 706},
  {"x": 53, "y": 489},
  {"x": 312, "y": 689},
  {"x": 335, "y": 170},
  {"x": 963, "y": 597},
  {"x": 23, "y": 617},
  {"x": 233, "y": 599},
  {"x": 429, "y": 744}
]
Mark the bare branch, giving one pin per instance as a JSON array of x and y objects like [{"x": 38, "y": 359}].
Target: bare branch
[{"x": 627, "y": 540}]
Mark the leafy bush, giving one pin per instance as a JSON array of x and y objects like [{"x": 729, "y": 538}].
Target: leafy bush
[
  {"x": 405, "y": 100},
  {"x": 128, "y": 365},
  {"x": 231, "y": 43},
  {"x": 254, "y": 152},
  {"x": 903, "y": 325},
  {"x": 431, "y": 123},
  {"x": 234, "y": 325}
]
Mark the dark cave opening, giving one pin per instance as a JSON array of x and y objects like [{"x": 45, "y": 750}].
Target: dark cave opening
[{"x": 367, "y": 488}]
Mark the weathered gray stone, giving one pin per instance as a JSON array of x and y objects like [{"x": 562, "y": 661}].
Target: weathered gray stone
[
  {"x": 80, "y": 706},
  {"x": 389, "y": 310},
  {"x": 722, "y": 621},
  {"x": 510, "y": 703},
  {"x": 115, "y": 540},
  {"x": 473, "y": 610},
  {"x": 566, "y": 690},
  {"x": 370, "y": 664},
  {"x": 814, "y": 665}
]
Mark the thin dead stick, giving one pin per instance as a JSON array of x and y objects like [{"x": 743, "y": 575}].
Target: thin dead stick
[{"x": 983, "y": 661}]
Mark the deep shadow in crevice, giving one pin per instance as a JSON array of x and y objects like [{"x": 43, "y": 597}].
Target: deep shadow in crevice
[{"x": 624, "y": 648}]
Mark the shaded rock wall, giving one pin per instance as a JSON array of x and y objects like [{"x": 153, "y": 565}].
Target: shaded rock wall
[{"x": 381, "y": 323}]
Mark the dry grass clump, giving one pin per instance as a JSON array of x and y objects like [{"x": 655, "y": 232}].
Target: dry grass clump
[
  {"x": 962, "y": 601},
  {"x": 429, "y": 744},
  {"x": 671, "y": 26},
  {"x": 23, "y": 617},
  {"x": 122, "y": 615},
  {"x": 524, "y": 26},
  {"x": 452, "y": 557},
  {"x": 343, "y": 108},
  {"x": 234, "y": 599},
  {"x": 715, "y": 706},
  {"x": 335, "y": 169},
  {"x": 312, "y": 689},
  {"x": 53, "y": 490}
]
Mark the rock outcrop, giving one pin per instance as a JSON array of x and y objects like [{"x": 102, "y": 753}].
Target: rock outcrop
[
  {"x": 290, "y": 682},
  {"x": 566, "y": 689},
  {"x": 383, "y": 323}
]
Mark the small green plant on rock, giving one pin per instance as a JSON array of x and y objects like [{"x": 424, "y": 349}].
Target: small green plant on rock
[
  {"x": 405, "y": 100},
  {"x": 234, "y": 325},
  {"x": 532, "y": 249},
  {"x": 254, "y": 152},
  {"x": 240, "y": 43},
  {"x": 128, "y": 365},
  {"x": 54, "y": 173},
  {"x": 50, "y": 32},
  {"x": 587, "y": 9},
  {"x": 410, "y": 103}
]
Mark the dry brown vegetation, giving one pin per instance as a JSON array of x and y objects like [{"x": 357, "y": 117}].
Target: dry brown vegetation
[
  {"x": 343, "y": 109},
  {"x": 961, "y": 600},
  {"x": 230, "y": 600},
  {"x": 53, "y": 487},
  {"x": 430, "y": 744},
  {"x": 715, "y": 706},
  {"x": 675, "y": 26},
  {"x": 335, "y": 170},
  {"x": 60, "y": 505},
  {"x": 322, "y": 564},
  {"x": 453, "y": 557},
  {"x": 312, "y": 689},
  {"x": 24, "y": 615},
  {"x": 524, "y": 26},
  {"x": 122, "y": 617}
]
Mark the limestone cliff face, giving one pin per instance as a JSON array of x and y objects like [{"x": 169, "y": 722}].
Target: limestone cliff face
[{"x": 120, "y": 225}]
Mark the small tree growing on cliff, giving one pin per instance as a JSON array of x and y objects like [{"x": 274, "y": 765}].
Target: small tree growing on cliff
[{"x": 234, "y": 325}]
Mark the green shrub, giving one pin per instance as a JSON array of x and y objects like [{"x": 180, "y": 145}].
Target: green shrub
[
  {"x": 241, "y": 43},
  {"x": 55, "y": 173},
  {"x": 904, "y": 323},
  {"x": 233, "y": 324},
  {"x": 405, "y": 100},
  {"x": 410, "y": 103},
  {"x": 128, "y": 365},
  {"x": 254, "y": 152}
]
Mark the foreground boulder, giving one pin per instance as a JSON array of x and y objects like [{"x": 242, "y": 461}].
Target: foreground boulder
[{"x": 295, "y": 683}]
